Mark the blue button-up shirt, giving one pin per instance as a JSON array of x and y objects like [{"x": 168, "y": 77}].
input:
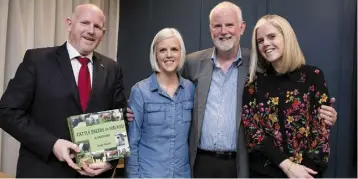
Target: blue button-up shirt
[
  {"x": 158, "y": 136},
  {"x": 219, "y": 125}
]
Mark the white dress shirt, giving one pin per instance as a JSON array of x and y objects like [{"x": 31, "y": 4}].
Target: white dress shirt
[{"x": 76, "y": 65}]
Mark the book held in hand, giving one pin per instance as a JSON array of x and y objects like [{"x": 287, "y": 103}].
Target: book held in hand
[{"x": 101, "y": 136}]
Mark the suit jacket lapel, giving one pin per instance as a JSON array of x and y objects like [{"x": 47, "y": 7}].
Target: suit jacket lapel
[
  {"x": 98, "y": 80},
  {"x": 64, "y": 62},
  {"x": 242, "y": 157},
  {"x": 242, "y": 77},
  {"x": 204, "y": 81}
]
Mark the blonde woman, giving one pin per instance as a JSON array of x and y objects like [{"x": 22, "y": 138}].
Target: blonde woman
[
  {"x": 286, "y": 137},
  {"x": 162, "y": 105}
]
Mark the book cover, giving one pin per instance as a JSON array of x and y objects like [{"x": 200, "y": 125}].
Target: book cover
[{"x": 101, "y": 136}]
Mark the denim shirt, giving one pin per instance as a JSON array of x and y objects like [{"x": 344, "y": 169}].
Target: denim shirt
[{"x": 158, "y": 136}]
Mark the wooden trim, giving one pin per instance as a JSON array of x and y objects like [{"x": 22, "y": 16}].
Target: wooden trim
[
  {"x": 3, "y": 175},
  {"x": 120, "y": 163}
]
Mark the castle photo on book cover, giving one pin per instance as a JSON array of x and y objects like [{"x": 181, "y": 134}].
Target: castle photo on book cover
[{"x": 101, "y": 136}]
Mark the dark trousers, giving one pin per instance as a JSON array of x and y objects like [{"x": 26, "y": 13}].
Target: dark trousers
[{"x": 210, "y": 166}]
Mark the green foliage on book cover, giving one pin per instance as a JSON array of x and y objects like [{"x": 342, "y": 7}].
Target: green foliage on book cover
[{"x": 101, "y": 136}]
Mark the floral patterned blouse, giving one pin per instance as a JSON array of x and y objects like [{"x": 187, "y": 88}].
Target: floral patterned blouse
[{"x": 281, "y": 121}]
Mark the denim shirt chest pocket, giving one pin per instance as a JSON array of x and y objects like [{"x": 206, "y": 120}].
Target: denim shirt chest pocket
[
  {"x": 187, "y": 107},
  {"x": 154, "y": 113}
]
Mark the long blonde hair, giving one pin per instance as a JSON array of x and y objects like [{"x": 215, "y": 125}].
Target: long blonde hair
[{"x": 292, "y": 57}]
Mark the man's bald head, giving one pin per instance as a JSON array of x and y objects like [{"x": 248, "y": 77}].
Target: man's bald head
[
  {"x": 82, "y": 8},
  {"x": 86, "y": 28},
  {"x": 224, "y": 6}
]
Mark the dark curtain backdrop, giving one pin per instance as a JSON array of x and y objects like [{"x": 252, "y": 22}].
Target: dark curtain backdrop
[{"x": 326, "y": 30}]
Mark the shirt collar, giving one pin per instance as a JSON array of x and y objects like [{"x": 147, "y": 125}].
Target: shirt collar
[
  {"x": 154, "y": 82},
  {"x": 73, "y": 53},
  {"x": 238, "y": 57}
]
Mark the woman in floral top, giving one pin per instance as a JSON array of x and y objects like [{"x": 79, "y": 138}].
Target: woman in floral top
[{"x": 285, "y": 135}]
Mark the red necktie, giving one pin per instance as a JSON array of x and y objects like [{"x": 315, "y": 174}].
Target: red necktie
[{"x": 84, "y": 82}]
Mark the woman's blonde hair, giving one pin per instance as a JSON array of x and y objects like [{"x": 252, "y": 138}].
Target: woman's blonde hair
[
  {"x": 160, "y": 36},
  {"x": 292, "y": 56}
]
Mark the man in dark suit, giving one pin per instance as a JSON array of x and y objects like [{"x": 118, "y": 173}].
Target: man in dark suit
[{"x": 54, "y": 83}]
